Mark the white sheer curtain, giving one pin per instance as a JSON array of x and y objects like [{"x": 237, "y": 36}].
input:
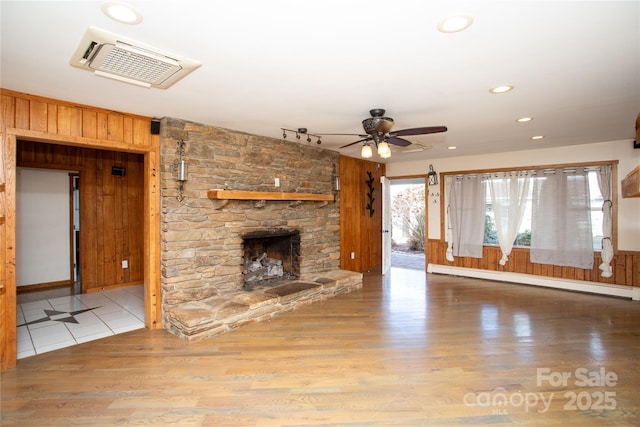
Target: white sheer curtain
[
  {"x": 561, "y": 220},
  {"x": 509, "y": 193},
  {"x": 448, "y": 182},
  {"x": 604, "y": 182},
  {"x": 466, "y": 212}
]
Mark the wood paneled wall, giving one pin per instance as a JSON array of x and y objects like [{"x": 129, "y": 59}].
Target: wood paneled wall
[
  {"x": 32, "y": 118},
  {"x": 360, "y": 233},
  {"x": 111, "y": 209},
  {"x": 625, "y": 264}
]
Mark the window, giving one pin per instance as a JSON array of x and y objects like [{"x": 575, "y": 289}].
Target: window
[{"x": 523, "y": 239}]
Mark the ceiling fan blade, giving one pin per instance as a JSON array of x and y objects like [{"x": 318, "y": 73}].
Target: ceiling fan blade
[
  {"x": 420, "y": 131},
  {"x": 401, "y": 142},
  {"x": 341, "y": 134},
  {"x": 353, "y": 143}
]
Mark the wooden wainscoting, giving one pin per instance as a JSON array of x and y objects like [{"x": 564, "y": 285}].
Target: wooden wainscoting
[{"x": 625, "y": 264}]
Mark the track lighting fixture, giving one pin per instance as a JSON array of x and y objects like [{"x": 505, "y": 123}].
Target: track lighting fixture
[{"x": 301, "y": 131}]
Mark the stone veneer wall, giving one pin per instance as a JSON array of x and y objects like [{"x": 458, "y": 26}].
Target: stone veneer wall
[{"x": 201, "y": 248}]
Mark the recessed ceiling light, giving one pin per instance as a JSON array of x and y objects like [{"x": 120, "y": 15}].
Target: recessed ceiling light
[
  {"x": 452, "y": 147},
  {"x": 501, "y": 89},
  {"x": 524, "y": 119},
  {"x": 537, "y": 137},
  {"x": 121, "y": 12},
  {"x": 454, "y": 24}
]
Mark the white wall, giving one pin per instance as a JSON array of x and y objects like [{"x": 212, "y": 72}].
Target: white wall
[
  {"x": 42, "y": 226},
  {"x": 623, "y": 151}
]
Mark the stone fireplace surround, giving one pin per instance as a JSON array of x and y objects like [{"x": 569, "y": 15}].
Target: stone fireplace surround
[{"x": 202, "y": 247}]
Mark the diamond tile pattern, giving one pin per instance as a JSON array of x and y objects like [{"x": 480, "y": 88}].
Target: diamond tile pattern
[{"x": 69, "y": 320}]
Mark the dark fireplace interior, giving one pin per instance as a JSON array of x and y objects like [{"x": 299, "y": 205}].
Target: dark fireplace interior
[{"x": 270, "y": 257}]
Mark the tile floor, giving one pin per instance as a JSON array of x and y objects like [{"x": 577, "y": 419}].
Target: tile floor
[{"x": 63, "y": 321}]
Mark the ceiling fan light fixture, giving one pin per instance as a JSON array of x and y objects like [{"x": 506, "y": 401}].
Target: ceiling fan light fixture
[
  {"x": 366, "y": 152},
  {"x": 383, "y": 149},
  {"x": 501, "y": 89},
  {"x": 454, "y": 24}
]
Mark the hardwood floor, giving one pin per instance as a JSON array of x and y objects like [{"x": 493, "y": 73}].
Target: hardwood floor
[{"x": 400, "y": 352}]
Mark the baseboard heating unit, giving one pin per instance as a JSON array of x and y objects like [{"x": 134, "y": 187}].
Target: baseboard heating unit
[{"x": 544, "y": 281}]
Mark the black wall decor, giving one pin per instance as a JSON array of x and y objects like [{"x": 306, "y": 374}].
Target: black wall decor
[{"x": 370, "y": 193}]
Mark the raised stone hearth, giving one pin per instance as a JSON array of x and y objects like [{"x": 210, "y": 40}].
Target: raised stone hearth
[
  {"x": 209, "y": 283},
  {"x": 197, "y": 320}
]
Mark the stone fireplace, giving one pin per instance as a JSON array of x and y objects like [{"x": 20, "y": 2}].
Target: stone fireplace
[
  {"x": 270, "y": 257},
  {"x": 286, "y": 251}
]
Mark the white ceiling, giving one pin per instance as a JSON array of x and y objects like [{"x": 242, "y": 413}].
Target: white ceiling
[{"x": 323, "y": 64}]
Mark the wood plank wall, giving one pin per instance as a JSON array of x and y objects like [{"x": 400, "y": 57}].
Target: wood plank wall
[
  {"x": 111, "y": 209},
  {"x": 33, "y": 118},
  {"x": 625, "y": 264},
  {"x": 360, "y": 233}
]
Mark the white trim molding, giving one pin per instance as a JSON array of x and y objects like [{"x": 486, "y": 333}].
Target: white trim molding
[{"x": 530, "y": 279}]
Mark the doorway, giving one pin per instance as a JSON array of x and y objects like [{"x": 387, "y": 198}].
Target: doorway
[
  {"x": 75, "y": 229},
  {"x": 64, "y": 311},
  {"x": 408, "y": 223}
]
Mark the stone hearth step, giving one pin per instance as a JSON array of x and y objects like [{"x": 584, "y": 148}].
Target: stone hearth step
[{"x": 197, "y": 320}]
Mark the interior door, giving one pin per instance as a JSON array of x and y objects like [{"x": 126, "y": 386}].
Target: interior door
[
  {"x": 386, "y": 224},
  {"x": 43, "y": 233}
]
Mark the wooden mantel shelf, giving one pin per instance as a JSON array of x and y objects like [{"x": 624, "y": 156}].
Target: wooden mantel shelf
[{"x": 265, "y": 195}]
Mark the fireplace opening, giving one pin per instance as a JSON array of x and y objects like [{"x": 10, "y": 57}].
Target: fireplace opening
[{"x": 270, "y": 257}]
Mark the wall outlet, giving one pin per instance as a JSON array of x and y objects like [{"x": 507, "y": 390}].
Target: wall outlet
[
  {"x": 276, "y": 182},
  {"x": 353, "y": 255},
  {"x": 125, "y": 263}
]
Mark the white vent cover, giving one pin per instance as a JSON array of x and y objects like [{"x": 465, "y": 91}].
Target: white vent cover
[
  {"x": 415, "y": 147},
  {"x": 109, "y": 55}
]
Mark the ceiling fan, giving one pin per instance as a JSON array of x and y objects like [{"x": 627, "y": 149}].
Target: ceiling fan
[{"x": 378, "y": 129}]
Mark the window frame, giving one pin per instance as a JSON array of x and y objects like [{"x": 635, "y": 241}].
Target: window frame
[{"x": 614, "y": 192}]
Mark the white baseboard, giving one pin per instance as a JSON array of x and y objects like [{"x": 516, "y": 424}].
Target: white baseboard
[{"x": 530, "y": 279}]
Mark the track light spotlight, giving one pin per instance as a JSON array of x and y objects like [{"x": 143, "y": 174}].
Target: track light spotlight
[{"x": 299, "y": 132}]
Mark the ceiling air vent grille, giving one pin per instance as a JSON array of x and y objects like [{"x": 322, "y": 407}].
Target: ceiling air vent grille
[
  {"x": 415, "y": 147},
  {"x": 109, "y": 56}
]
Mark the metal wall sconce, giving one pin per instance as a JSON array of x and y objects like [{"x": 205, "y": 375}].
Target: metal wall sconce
[
  {"x": 336, "y": 179},
  {"x": 432, "y": 176},
  {"x": 301, "y": 131},
  {"x": 180, "y": 169}
]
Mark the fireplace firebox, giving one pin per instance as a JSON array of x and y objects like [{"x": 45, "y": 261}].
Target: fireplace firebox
[{"x": 270, "y": 257}]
